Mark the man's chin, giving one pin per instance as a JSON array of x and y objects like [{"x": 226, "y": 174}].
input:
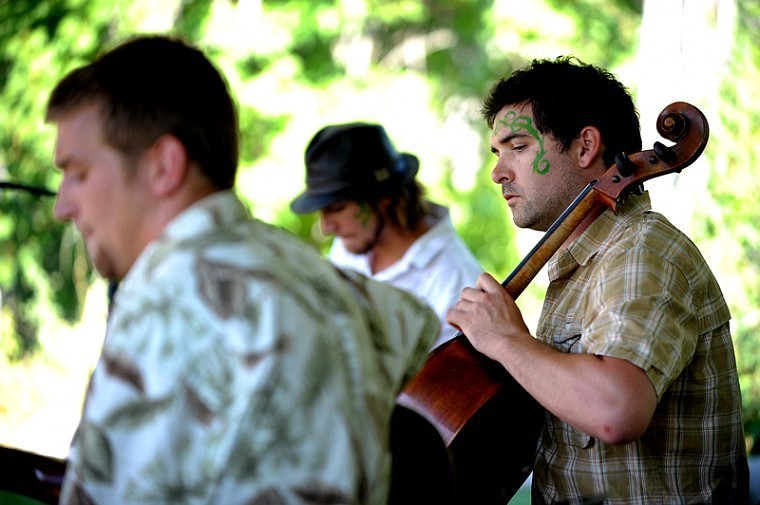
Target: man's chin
[
  {"x": 105, "y": 268},
  {"x": 354, "y": 248},
  {"x": 359, "y": 251}
]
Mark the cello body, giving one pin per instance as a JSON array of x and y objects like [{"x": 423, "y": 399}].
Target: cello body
[{"x": 490, "y": 424}]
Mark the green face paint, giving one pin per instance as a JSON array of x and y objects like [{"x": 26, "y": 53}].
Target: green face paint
[
  {"x": 364, "y": 214},
  {"x": 518, "y": 124}
]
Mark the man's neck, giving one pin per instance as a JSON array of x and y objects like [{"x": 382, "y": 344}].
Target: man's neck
[{"x": 392, "y": 244}]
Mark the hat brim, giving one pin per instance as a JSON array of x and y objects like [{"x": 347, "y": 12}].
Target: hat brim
[{"x": 309, "y": 202}]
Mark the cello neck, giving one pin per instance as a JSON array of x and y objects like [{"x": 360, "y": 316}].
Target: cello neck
[{"x": 584, "y": 205}]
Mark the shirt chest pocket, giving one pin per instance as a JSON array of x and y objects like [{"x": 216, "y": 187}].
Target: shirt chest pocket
[{"x": 566, "y": 336}]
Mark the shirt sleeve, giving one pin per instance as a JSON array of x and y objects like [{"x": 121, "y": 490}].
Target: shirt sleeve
[{"x": 641, "y": 310}]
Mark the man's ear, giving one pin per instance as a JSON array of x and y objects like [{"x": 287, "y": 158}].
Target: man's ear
[
  {"x": 169, "y": 165},
  {"x": 590, "y": 148},
  {"x": 383, "y": 203}
]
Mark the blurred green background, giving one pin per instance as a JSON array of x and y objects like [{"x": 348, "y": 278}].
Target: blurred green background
[{"x": 421, "y": 68}]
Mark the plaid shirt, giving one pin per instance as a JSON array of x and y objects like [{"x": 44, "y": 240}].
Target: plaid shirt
[{"x": 634, "y": 287}]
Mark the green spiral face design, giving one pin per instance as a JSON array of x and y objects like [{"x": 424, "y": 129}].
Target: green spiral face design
[
  {"x": 363, "y": 214},
  {"x": 520, "y": 123}
]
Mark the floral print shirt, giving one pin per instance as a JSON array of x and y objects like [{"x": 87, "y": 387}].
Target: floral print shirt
[{"x": 239, "y": 367}]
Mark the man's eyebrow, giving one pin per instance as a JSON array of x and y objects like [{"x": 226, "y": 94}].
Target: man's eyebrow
[
  {"x": 334, "y": 205},
  {"x": 511, "y": 136}
]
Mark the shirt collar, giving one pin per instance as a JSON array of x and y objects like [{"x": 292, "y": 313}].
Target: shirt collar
[
  {"x": 595, "y": 237},
  {"x": 209, "y": 213},
  {"x": 427, "y": 247},
  {"x": 200, "y": 218}
]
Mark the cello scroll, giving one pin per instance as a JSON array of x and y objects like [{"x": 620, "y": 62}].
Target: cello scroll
[{"x": 679, "y": 122}]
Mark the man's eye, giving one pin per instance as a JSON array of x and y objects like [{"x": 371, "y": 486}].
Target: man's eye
[
  {"x": 519, "y": 147},
  {"x": 334, "y": 208},
  {"x": 74, "y": 175}
]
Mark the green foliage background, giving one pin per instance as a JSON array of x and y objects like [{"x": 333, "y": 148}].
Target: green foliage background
[
  {"x": 425, "y": 67},
  {"x": 730, "y": 221}
]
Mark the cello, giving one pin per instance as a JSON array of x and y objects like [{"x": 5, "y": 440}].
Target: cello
[{"x": 487, "y": 424}]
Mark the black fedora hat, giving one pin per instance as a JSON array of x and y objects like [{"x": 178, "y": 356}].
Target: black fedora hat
[{"x": 352, "y": 161}]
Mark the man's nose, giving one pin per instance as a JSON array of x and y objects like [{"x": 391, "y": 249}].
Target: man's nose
[
  {"x": 64, "y": 208},
  {"x": 501, "y": 173},
  {"x": 327, "y": 224}
]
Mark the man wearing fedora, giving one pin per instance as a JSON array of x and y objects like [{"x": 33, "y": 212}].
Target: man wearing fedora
[{"x": 367, "y": 196}]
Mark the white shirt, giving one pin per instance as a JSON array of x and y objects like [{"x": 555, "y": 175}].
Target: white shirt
[{"x": 435, "y": 268}]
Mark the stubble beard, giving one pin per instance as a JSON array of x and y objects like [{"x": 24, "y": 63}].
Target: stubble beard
[
  {"x": 103, "y": 263},
  {"x": 367, "y": 246}
]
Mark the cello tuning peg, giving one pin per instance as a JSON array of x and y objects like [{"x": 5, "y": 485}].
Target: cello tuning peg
[
  {"x": 665, "y": 153},
  {"x": 624, "y": 164}
]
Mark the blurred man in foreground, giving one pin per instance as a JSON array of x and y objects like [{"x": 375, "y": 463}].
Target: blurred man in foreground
[{"x": 238, "y": 367}]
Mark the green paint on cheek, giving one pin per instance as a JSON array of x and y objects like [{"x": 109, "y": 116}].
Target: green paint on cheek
[
  {"x": 364, "y": 214},
  {"x": 519, "y": 124}
]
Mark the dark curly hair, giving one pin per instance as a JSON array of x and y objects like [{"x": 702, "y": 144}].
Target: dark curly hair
[{"x": 566, "y": 95}]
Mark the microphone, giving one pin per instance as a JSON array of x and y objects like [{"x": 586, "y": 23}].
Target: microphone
[{"x": 35, "y": 190}]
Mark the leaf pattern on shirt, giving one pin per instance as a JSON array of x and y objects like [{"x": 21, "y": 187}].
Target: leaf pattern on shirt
[
  {"x": 358, "y": 285},
  {"x": 269, "y": 496},
  {"x": 206, "y": 383},
  {"x": 251, "y": 359},
  {"x": 364, "y": 289},
  {"x": 314, "y": 494},
  {"x": 122, "y": 367},
  {"x": 178, "y": 477},
  {"x": 317, "y": 371},
  {"x": 97, "y": 455},
  {"x": 276, "y": 431},
  {"x": 222, "y": 287},
  {"x": 319, "y": 494},
  {"x": 133, "y": 415},
  {"x": 133, "y": 326},
  {"x": 199, "y": 410},
  {"x": 80, "y": 496}
]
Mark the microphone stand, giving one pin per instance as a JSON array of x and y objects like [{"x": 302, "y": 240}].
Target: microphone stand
[{"x": 35, "y": 190}]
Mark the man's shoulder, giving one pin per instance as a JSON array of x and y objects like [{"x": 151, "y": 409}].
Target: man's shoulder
[{"x": 653, "y": 231}]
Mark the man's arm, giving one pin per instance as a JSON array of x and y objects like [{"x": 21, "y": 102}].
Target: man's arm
[{"x": 608, "y": 398}]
